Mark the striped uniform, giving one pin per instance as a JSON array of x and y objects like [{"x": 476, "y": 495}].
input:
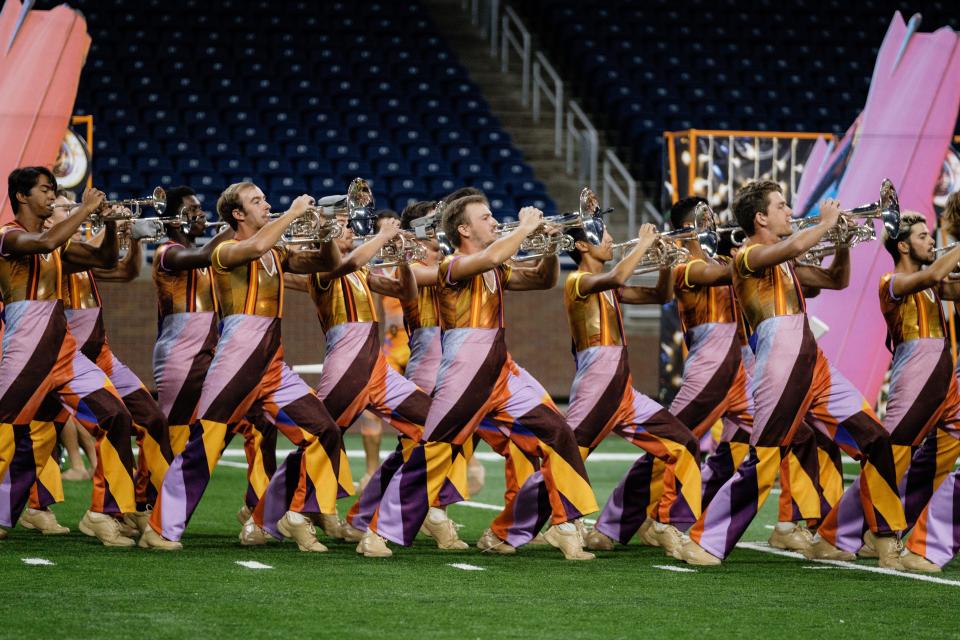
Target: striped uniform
[
  {"x": 793, "y": 380},
  {"x": 188, "y": 332},
  {"x": 248, "y": 370},
  {"x": 41, "y": 357},
  {"x": 923, "y": 398},
  {"x": 84, "y": 309},
  {"x": 480, "y": 386},
  {"x": 357, "y": 378},
  {"x": 603, "y": 400}
]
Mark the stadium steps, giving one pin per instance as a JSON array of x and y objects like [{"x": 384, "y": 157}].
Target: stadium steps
[{"x": 502, "y": 92}]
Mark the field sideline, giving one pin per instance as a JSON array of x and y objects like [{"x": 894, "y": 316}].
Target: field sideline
[{"x": 90, "y": 591}]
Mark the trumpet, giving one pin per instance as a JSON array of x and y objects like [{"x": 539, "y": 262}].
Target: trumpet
[
  {"x": 315, "y": 226},
  {"x": 849, "y": 233},
  {"x": 130, "y": 209},
  {"x": 403, "y": 249},
  {"x": 428, "y": 228},
  {"x": 540, "y": 244},
  {"x": 665, "y": 253},
  {"x": 939, "y": 251}
]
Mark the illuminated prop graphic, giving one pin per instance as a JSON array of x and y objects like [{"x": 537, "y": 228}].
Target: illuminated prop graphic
[
  {"x": 904, "y": 133},
  {"x": 72, "y": 167},
  {"x": 38, "y": 96}
]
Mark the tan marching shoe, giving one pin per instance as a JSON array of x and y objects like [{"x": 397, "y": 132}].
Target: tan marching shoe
[
  {"x": 73, "y": 474},
  {"x": 244, "y": 514},
  {"x": 693, "y": 554},
  {"x": 137, "y": 520},
  {"x": 490, "y": 542},
  {"x": 445, "y": 533},
  {"x": 797, "y": 539},
  {"x": 868, "y": 550},
  {"x": 253, "y": 535},
  {"x": 646, "y": 534},
  {"x": 373, "y": 546},
  {"x": 568, "y": 541},
  {"x": 888, "y": 552},
  {"x": 820, "y": 549},
  {"x": 670, "y": 539},
  {"x": 3, "y": 534},
  {"x": 298, "y": 528},
  {"x": 538, "y": 541},
  {"x": 42, "y": 520},
  {"x": 915, "y": 562},
  {"x": 105, "y": 528},
  {"x": 331, "y": 524},
  {"x": 153, "y": 540},
  {"x": 597, "y": 541},
  {"x": 349, "y": 533}
]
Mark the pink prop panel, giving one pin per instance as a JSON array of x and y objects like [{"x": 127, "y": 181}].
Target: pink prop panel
[
  {"x": 39, "y": 75},
  {"x": 907, "y": 124}
]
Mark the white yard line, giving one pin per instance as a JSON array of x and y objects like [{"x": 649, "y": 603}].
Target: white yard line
[
  {"x": 37, "y": 562},
  {"x": 754, "y": 546},
  {"x": 466, "y": 567},
  {"x": 253, "y": 564},
  {"x": 670, "y": 567},
  {"x": 483, "y": 456}
]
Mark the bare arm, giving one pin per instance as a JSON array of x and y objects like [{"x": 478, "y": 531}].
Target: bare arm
[
  {"x": 22, "y": 243},
  {"x": 543, "y": 276},
  {"x": 241, "y": 252},
  {"x": 906, "y": 283},
  {"x": 402, "y": 287},
  {"x": 500, "y": 250},
  {"x": 836, "y": 276},
  {"x": 102, "y": 254},
  {"x": 768, "y": 255},
  {"x": 618, "y": 276},
  {"x": 127, "y": 268},
  {"x": 180, "y": 258},
  {"x": 364, "y": 253},
  {"x": 296, "y": 281},
  {"x": 313, "y": 260},
  {"x": 662, "y": 293},
  {"x": 425, "y": 276},
  {"x": 709, "y": 273}
]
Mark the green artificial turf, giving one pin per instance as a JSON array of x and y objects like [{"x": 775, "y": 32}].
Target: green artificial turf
[{"x": 95, "y": 592}]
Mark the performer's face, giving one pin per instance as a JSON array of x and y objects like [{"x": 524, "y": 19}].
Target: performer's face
[
  {"x": 778, "y": 216},
  {"x": 344, "y": 242},
  {"x": 196, "y": 219},
  {"x": 432, "y": 247},
  {"x": 921, "y": 244},
  {"x": 480, "y": 224},
  {"x": 40, "y": 197},
  {"x": 254, "y": 208}
]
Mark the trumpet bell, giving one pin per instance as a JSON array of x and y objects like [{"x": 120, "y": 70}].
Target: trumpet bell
[
  {"x": 361, "y": 208},
  {"x": 889, "y": 208}
]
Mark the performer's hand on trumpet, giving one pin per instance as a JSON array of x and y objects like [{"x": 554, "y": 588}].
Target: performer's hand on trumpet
[
  {"x": 830, "y": 212},
  {"x": 529, "y": 219},
  {"x": 92, "y": 200}
]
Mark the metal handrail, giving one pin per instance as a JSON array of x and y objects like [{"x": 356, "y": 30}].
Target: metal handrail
[
  {"x": 554, "y": 97},
  {"x": 520, "y": 41},
  {"x": 588, "y": 144},
  {"x": 626, "y": 198}
]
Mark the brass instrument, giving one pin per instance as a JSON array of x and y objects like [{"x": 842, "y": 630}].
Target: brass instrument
[
  {"x": 540, "y": 244},
  {"x": 666, "y": 253},
  {"x": 939, "y": 251},
  {"x": 849, "y": 233},
  {"x": 314, "y": 226},
  {"x": 403, "y": 249},
  {"x": 428, "y": 228},
  {"x": 124, "y": 210}
]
